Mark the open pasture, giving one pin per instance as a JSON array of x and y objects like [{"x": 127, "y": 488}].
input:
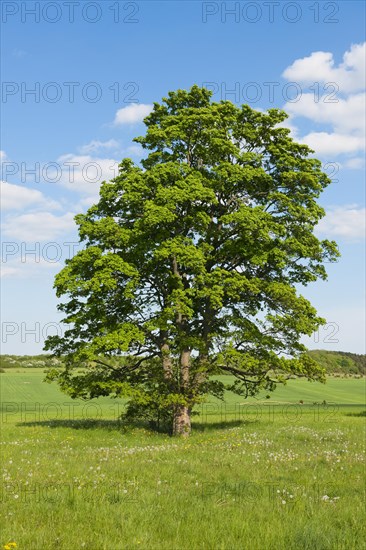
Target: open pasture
[{"x": 272, "y": 474}]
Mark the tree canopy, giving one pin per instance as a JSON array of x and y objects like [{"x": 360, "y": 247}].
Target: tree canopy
[{"x": 192, "y": 263}]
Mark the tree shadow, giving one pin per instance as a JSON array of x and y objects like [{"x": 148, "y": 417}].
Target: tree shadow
[
  {"x": 125, "y": 427},
  {"x": 120, "y": 425},
  {"x": 79, "y": 424}
]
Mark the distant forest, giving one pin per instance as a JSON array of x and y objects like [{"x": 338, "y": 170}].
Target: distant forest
[
  {"x": 334, "y": 362},
  {"x": 340, "y": 361}
]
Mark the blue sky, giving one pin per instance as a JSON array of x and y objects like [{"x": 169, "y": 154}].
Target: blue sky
[{"x": 95, "y": 68}]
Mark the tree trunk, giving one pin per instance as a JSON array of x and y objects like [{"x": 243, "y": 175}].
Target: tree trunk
[
  {"x": 182, "y": 413},
  {"x": 182, "y": 421}
]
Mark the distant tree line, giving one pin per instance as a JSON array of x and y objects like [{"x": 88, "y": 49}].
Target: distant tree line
[
  {"x": 334, "y": 362},
  {"x": 341, "y": 362},
  {"x": 29, "y": 361}
]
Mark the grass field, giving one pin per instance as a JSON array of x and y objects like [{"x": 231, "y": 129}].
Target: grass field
[{"x": 263, "y": 474}]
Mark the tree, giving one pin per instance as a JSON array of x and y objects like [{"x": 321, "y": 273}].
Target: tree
[{"x": 192, "y": 261}]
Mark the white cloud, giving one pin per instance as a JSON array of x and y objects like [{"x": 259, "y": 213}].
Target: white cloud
[
  {"x": 340, "y": 107},
  {"x": 40, "y": 226},
  {"x": 320, "y": 67},
  {"x": 96, "y": 145},
  {"x": 344, "y": 115},
  {"x": 132, "y": 114},
  {"x": 334, "y": 144},
  {"x": 84, "y": 173},
  {"x": 346, "y": 221},
  {"x": 3, "y": 156},
  {"x": 18, "y": 197}
]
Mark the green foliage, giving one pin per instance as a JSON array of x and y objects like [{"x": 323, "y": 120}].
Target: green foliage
[{"x": 193, "y": 258}]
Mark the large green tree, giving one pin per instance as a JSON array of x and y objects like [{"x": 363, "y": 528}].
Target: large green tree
[{"x": 192, "y": 263}]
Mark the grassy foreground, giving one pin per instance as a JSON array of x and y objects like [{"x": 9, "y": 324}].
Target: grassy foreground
[{"x": 268, "y": 474}]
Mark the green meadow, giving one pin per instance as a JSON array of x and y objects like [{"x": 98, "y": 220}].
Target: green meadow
[{"x": 279, "y": 473}]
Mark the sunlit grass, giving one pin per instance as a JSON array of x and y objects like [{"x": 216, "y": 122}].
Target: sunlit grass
[{"x": 284, "y": 477}]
